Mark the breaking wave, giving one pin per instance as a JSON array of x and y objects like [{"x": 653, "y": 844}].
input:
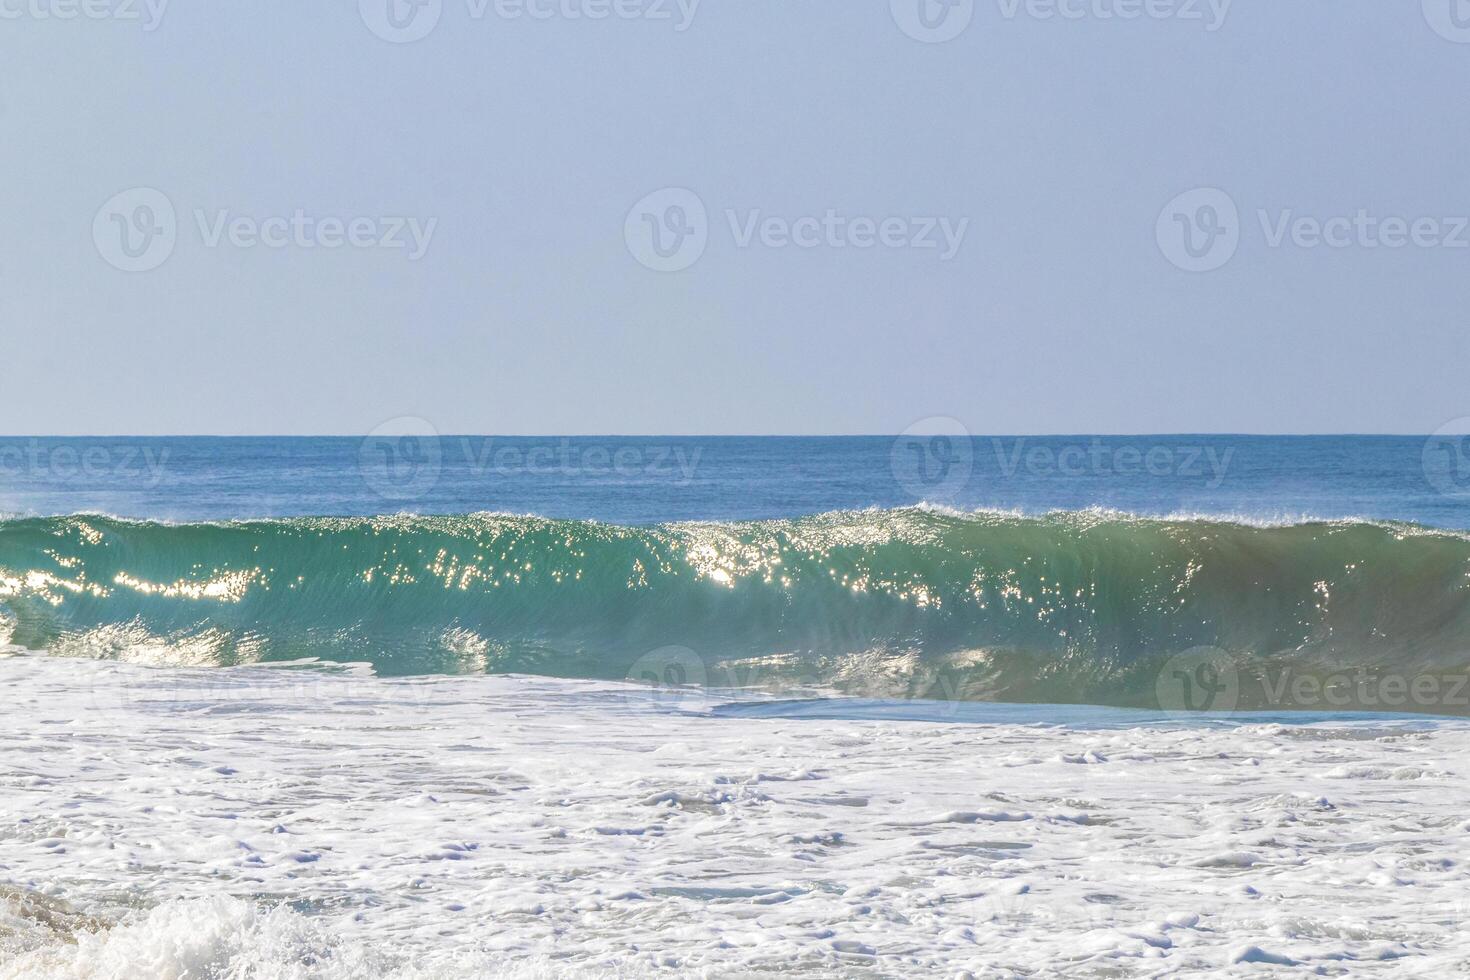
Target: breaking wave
[
  {"x": 225, "y": 938},
  {"x": 916, "y": 602}
]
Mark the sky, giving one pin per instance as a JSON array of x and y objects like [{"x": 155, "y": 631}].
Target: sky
[{"x": 770, "y": 216}]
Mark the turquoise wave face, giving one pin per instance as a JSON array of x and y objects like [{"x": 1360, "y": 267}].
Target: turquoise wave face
[{"x": 1071, "y": 607}]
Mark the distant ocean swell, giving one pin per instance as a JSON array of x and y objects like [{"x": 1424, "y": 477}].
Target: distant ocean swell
[{"x": 1070, "y": 607}]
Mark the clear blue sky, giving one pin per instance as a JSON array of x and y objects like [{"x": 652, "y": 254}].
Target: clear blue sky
[{"x": 529, "y": 141}]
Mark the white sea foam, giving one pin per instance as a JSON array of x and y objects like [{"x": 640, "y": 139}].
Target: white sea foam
[
  {"x": 223, "y": 938},
  {"x": 1095, "y": 514},
  {"x": 313, "y": 823}
]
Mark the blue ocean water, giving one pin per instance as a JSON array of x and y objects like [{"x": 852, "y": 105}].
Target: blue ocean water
[
  {"x": 1216, "y": 572},
  {"x": 650, "y": 480}
]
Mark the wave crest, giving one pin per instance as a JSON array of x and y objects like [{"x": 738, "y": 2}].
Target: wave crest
[{"x": 1076, "y": 606}]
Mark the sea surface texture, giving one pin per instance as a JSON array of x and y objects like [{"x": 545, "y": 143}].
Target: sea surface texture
[{"x": 421, "y": 705}]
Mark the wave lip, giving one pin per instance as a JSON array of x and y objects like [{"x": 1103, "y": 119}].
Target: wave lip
[{"x": 1089, "y": 606}]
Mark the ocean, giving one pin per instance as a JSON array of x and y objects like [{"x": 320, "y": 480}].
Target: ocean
[
  {"x": 1060, "y": 570},
  {"x": 429, "y": 705},
  {"x": 653, "y": 480}
]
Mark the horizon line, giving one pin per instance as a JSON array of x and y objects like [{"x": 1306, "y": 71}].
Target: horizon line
[{"x": 772, "y": 435}]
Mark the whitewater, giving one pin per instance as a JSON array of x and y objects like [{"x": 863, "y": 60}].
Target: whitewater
[{"x": 314, "y": 821}]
